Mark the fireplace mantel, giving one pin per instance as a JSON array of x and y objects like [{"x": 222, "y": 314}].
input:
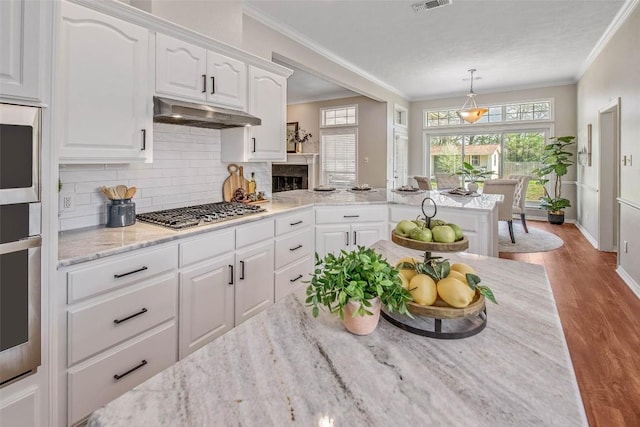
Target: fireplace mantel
[{"x": 310, "y": 159}]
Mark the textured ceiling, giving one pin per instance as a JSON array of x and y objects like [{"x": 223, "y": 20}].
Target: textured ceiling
[{"x": 513, "y": 44}]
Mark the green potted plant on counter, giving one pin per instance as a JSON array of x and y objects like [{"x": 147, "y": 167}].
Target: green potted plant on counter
[
  {"x": 354, "y": 285},
  {"x": 555, "y": 161},
  {"x": 473, "y": 175}
]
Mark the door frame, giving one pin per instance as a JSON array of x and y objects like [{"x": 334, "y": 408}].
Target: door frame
[{"x": 609, "y": 176}]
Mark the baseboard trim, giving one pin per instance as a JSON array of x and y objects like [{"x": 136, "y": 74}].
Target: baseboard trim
[
  {"x": 587, "y": 235},
  {"x": 632, "y": 284}
]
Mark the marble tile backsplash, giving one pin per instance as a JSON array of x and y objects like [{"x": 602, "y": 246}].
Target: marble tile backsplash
[{"x": 186, "y": 170}]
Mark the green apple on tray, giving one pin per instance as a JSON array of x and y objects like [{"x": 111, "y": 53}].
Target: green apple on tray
[{"x": 440, "y": 231}]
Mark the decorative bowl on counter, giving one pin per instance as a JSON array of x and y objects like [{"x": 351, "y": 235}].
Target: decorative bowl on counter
[{"x": 459, "y": 246}]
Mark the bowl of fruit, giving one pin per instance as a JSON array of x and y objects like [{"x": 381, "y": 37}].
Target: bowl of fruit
[
  {"x": 435, "y": 235},
  {"x": 442, "y": 290}
]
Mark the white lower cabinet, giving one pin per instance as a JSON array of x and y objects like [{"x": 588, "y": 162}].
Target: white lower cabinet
[
  {"x": 98, "y": 382},
  {"x": 254, "y": 280},
  {"x": 345, "y": 227},
  {"x": 21, "y": 410},
  {"x": 206, "y": 302}
]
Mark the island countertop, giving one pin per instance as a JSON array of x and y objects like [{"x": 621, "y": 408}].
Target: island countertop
[
  {"x": 283, "y": 367},
  {"x": 87, "y": 244}
]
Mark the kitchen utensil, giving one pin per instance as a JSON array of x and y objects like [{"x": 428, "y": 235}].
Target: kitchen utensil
[
  {"x": 121, "y": 191},
  {"x": 131, "y": 191},
  {"x": 234, "y": 181},
  {"x": 107, "y": 192}
]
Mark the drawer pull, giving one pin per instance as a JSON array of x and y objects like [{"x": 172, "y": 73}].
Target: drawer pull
[
  {"x": 295, "y": 248},
  {"x": 241, "y": 270},
  {"x": 135, "y": 368},
  {"x": 143, "y": 268},
  {"x": 230, "y": 274},
  {"x": 355, "y": 238},
  {"x": 295, "y": 223},
  {"x": 213, "y": 85},
  {"x": 144, "y": 139},
  {"x": 347, "y": 235},
  {"x": 118, "y": 321},
  {"x": 296, "y": 279},
  {"x": 204, "y": 83},
  {"x": 351, "y": 216}
]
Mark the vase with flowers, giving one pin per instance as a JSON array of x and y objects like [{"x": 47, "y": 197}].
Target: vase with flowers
[{"x": 298, "y": 137}]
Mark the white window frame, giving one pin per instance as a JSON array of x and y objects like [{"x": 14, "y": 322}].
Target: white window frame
[
  {"x": 337, "y": 130},
  {"x": 400, "y": 116},
  {"x": 503, "y": 105},
  {"x": 338, "y": 107}
]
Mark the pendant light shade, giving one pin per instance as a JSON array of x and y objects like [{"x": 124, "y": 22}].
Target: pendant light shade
[{"x": 472, "y": 113}]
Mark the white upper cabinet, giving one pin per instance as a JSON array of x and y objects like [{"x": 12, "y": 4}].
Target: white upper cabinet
[
  {"x": 104, "y": 110},
  {"x": 20, "y": 48},
  {"x": 267, "y": 142},
  {"x": 190, "y": 71}
]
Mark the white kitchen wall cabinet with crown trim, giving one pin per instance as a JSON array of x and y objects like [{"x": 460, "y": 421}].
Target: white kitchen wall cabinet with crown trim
[
  {"x": 197, "y": 74},
  {"x": 103, "y": 95}
]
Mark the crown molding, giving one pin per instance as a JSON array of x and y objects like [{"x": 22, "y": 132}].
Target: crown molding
[
  {"x": 289, "y": 32},
  {"x": 615, "y": 25}
]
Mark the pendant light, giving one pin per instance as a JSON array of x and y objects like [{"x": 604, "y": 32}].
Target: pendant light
[{"x": 471, "y": 114}]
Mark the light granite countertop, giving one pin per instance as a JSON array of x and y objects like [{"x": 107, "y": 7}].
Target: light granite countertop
[
  {"x": 283, "y": 367},
  {"x": 91, "y": 243}
]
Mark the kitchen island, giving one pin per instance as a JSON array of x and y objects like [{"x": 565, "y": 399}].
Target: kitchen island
[{"x": 283, "y": 367}]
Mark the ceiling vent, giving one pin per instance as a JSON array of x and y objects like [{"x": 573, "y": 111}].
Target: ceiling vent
[{"x": 431, "y": 4}]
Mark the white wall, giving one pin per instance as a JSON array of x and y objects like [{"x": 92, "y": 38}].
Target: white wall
[
  {"x": 186, "y": 170},
  {"x": 614, "y": 73},
  {"x": 371, "y": 133},
  {"x": 564, "y": 101}
]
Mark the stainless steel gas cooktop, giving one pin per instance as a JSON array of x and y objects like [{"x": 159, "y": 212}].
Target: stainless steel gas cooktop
[{"x": 192, "y": 216}]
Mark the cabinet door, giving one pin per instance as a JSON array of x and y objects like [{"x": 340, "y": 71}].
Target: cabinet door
[
  {"x": 332, "y": 238},
  {"x": 227, "y": 85},
  {"x": 206, "y": 303},
  {"x": 20, "y": 48},
  {"x": 367, "y": 234},
  {"x": 104, "y": 111},
  {"x": 268, "y": 101},
  {"x": 181, "y": 68},
  {"x": 254, "y": 280}
]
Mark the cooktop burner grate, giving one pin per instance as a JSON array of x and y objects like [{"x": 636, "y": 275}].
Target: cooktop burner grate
[{"x": 192, "y": 216}]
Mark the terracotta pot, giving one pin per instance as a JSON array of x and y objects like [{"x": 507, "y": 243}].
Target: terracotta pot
[{"x": 362, "y": 325}]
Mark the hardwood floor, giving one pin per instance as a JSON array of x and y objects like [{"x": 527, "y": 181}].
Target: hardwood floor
[{"x": 600, "y": 317}]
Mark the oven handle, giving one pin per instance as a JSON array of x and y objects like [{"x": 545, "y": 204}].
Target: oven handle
[{"x": 21, "y": 245}]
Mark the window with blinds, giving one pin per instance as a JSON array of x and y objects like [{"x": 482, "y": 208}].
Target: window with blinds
[{"x": 338, "y": 157}]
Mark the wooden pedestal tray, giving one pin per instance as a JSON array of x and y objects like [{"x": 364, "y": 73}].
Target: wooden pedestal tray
[{"x": 428, "y": 247}]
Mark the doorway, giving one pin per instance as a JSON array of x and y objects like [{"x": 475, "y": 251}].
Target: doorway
[
  {"x": 609, "y": 181},
  {"x": 400, "y": 158}
]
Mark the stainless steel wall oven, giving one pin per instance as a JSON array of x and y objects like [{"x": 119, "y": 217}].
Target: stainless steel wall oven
[{"x": 20, "y": 242}]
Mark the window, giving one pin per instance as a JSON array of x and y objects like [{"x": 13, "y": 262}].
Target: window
[
  {"x": 339, "y": 116},
  {"x": 338, "y": 157},
  {"x": 512, "y": 152},
  {"x": 519, "y": 112}
]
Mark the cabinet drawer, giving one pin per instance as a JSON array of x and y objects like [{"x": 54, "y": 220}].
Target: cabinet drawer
[
  {"x": 293, "y": 222},
  {"x": 118, "y": 271},
  {"x": 100, "y": 326},
  {"x": 350, "y": 214},
  {"x": 94, "y": 385},
  {"x": 293, "y": 277},
  {"x": 293, "y": 246},
  {"x": 254, "y": 232},
  {"x": 207, "y": 247}
]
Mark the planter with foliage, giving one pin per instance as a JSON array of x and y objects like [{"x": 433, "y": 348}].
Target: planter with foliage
[
  {"x": 361, "y": 278},
  {"x": 555, "y": 162},
  {"x": 473, "y": 175}
]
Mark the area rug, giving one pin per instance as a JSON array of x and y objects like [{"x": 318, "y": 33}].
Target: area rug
[{"x": 534, "y": 241}]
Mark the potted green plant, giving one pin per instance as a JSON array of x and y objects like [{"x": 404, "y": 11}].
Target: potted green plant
[
  {"x": 353, "y": 285},
  {"x": 555, "y": 161},
  {"x": 473, "y": 175}
]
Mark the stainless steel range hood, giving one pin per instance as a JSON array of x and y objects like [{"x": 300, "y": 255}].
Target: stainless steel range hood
[{"x": 203, "y": 116}]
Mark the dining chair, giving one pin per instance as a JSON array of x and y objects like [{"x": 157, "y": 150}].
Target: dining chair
[
  {"x": 446, "y": 180},
  {"x": 424, "y": 182},
  {"x": 506, "y": 187},
  {"x": 520, "y": 196}
]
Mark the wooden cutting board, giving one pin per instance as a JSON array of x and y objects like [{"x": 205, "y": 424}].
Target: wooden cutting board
[{"x": 234, "y": 181}]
